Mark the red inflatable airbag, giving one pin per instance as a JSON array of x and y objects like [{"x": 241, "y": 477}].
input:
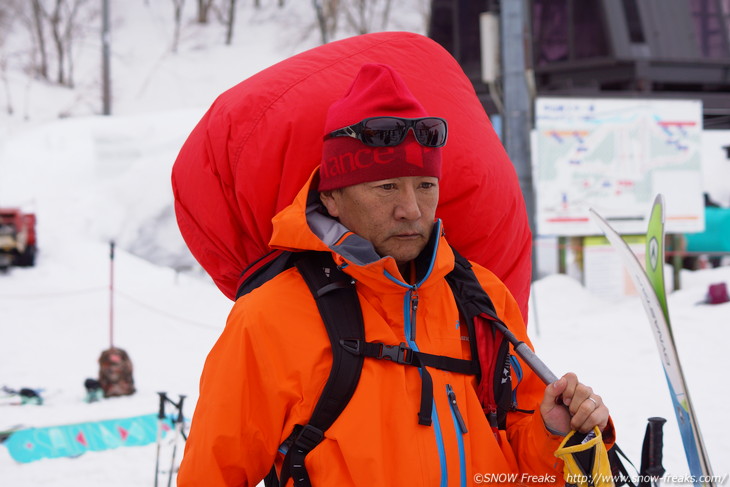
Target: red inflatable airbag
[{"x": 259, "y": 142}]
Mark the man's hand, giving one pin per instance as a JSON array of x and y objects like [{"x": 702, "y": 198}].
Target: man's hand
[{"x": 569, "y": 405}]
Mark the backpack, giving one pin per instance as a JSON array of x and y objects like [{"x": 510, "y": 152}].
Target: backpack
[
  {"x": 338, "y": 304},
  {"x": 717, "y": 293},
  {"x": 115, "y": 373}
]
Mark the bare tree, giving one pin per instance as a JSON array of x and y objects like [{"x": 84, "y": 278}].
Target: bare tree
[
  {"x": 178, "y": 10},
  {"x": 327, "y": 14},
  {"x": 360, "y": 16},
  {"x": 365, "y": 16},
  {"x": 40, "y": 37},
  {"x": 62, "y": 20},
  {"x": 321, "y": 20},
  {"x": 230, "y": 21},
  {"x": 280, "y": 3},
  {"x": 6, "y": 83},
  {"x": 204, "y": 7},
  {"x": 6, "y": 20},
  {"x": 70, "y": 31},
  {"x": 56, "y": 31}
]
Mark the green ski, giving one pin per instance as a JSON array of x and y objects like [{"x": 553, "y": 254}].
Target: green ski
[{"x": 650, "y": 283}]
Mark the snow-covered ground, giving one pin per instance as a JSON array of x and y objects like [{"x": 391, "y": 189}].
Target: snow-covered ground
[{"x": 93, "y": 179}]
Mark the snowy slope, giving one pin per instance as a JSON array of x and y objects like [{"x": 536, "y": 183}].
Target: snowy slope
[{"x": 92, "y": 179}]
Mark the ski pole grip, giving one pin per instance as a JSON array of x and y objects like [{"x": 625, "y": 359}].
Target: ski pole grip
[
  {"x": 180, "y": 415},
  {"x": 656, "y": 444},
  {"x": 537, "y": 365},
  {"x": 163, "y": 399}
]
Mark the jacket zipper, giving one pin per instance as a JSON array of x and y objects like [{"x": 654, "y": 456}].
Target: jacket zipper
[
  {"x": 460, "y": 427},
  {"x": 410, "y": 307},
  {"x": 414, "y": 309},
  {"x": 459, "y": 419}
]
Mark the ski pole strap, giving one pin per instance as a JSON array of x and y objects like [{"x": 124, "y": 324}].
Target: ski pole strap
[
  {"x": 621, "y": 475},
  {"x": 585, "y": 460}
]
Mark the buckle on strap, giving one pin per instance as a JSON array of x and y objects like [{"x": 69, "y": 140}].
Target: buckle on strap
[
  {"x": 352, "y": 345},
  {"x": 397, "y": 353},
  {"x": 308, "y": 438}
]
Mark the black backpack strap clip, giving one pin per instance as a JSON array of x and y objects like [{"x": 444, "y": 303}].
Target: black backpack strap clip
[
  {"x": 404, "y": 355},
  {"x": 400, "y": 354},
  {"x": 309, "y": 437}
]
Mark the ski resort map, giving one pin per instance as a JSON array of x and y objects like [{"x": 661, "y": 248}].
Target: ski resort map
[{"x": 614, "y": 155}]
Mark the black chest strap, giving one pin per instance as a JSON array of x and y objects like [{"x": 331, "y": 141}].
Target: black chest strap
[{"x": 404, "y": 355}]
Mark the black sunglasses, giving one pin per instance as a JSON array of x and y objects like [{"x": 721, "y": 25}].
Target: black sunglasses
[{"x": 390, "y": 131}]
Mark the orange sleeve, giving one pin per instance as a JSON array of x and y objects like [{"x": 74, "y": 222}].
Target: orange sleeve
[
  {"x": 236, "y": 424},
  {"x": 261, "y": 377}
]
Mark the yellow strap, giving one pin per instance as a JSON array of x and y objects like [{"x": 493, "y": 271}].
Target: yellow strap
[{"x": 600, "y": 474}]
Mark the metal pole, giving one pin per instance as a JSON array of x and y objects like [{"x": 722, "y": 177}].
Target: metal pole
[
  {"x": 105, "y": 61},
  {"x": 517, "y": 98},
  {"x": 111, "y": 294},
  {"x": 176, "y": 432},
  {"x": 160, "y": 419}
]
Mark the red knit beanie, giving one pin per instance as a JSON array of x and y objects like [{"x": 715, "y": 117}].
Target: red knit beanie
[{"x": 376, "y": 91}]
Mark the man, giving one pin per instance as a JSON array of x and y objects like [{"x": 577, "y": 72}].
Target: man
[{"x": 372, "y": 205}]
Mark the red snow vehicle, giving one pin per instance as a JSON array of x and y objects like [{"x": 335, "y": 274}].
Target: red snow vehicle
[{"x": 17, "y": 238}]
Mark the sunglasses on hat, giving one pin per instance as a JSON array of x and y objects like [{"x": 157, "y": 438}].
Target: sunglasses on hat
[{"x": 390, "y": 131}]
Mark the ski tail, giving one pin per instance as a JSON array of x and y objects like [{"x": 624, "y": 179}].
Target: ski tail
[
  {"x": 688, "y": 425},
  {"x": 650, "y": 284}
]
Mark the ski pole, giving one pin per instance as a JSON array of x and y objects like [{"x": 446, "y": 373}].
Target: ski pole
[
  {"x": 548, "y": 377},
  {"x": 526, "y": 353},
  {"x": 651, "y": 456},
  {"x": 532, "y": 360},
  {"x": 160, "y": 419},
  {"x": 178, "y": 431}
]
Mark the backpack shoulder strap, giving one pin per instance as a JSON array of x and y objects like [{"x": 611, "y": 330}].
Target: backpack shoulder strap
[
  {"x": 467, "y": 288},
  {"x": 486, "y": 342},
  {"x": 264, "y": 269},
  {"x": 339, "y": 306}
]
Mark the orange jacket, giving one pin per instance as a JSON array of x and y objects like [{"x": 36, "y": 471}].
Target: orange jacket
[{"x": 265, "y": 374}]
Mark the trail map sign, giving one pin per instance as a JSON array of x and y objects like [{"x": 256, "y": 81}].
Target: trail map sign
[{"x": 615, "y": 155}]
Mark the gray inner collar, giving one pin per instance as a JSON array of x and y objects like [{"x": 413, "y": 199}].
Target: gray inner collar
[{"x": 354, "y": 248}]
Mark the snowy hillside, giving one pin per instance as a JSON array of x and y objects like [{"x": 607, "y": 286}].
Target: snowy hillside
[{"x": 93, "y": 179}]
